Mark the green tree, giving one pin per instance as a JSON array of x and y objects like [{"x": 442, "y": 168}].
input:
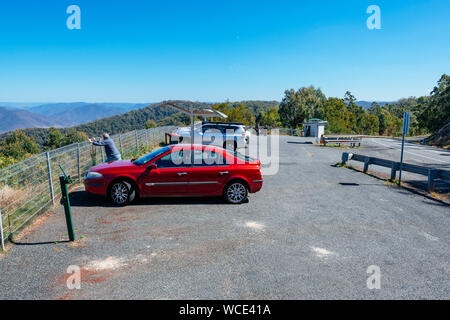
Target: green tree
[
  {"x": 437, "y": 111},
  {"x": 350, "y": 99},
  {"x": 414, "y": 106},
  {"x": 271, "y": 118},
  {"x": 74, "y": 136},
  {"x": 54, "y": 139},
  {"x": 17, "y": 146},
  {"x": 150, "y": 124},
  {"x": 336, "y": 113},
  {"x": 359, "y": 113},
  {"x": 388, "y": 124},
  {"x": 235, "y": 113},
  {"x": 298, "y": 106}
]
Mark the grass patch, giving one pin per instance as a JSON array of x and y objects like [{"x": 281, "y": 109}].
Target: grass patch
[
  {"x": 343, "y": 165},
  {"x": 392, "y": 183},
  {"x": 333, "y": 145},
  {"x": 340, "y": 165}
]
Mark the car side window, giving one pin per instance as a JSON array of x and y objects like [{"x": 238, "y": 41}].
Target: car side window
[
  {"x": 207, "y": 158},
  {"x": 175, "y": 159},
  {"x": 229, "y": 129}
]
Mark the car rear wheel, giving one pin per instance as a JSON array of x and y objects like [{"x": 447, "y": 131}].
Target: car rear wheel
[
  {"x": 122, "y": 193},
  {"x": 235, "y": 192}
]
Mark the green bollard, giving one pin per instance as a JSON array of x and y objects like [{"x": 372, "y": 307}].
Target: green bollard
[{"x": 64, "y": 181}]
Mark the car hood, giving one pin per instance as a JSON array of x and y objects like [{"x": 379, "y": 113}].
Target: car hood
[{"x": 112, "y": 165}]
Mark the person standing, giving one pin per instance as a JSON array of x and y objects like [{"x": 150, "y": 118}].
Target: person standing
[{"x": 112, "y": 154}]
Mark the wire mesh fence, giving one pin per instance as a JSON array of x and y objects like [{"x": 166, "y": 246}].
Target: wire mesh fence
[{"x": 31, "y": 186}]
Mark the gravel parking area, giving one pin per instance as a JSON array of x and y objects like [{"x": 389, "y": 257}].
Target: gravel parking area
[{"x": 310, "y": 233}]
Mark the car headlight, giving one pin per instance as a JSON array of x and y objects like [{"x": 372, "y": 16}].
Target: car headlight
[{"x": 93, "y": 175}]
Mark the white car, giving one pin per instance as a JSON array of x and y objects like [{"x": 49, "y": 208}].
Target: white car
[{"x": 229, "y": 135}]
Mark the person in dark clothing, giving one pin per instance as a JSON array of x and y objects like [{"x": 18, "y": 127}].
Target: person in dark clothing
[{"x": 112, "y": 154}]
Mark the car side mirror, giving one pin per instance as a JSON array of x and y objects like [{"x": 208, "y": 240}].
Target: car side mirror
[{"x": 151, "y": 167}]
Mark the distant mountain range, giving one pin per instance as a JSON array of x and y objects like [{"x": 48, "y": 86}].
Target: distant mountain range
[
  {"x": 38, "y": 115},
  {"x": 120, "y": 123},
  {"x": 16, "y": 115},
  {"x": 20, "y": 119},
  {"x": 367, "y": 104},
  {"x": 80, "y": 112}
]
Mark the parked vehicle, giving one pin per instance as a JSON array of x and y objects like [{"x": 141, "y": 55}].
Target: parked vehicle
[
  {"x": 177, "y": 170},
  {"x": 229, "y": 135}
]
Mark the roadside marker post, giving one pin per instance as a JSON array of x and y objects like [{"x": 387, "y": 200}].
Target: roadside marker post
[
  {"x": 405, "y": 131},
  {"x": 64, "y": 181}
]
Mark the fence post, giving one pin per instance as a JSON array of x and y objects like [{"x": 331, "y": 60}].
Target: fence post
[
  {"x": 432, "y": 174},
  {"x": 147, "y": 142},
  {"x": 1, "y": 231},
  {"x": 394, "y": 169},
  {"x": 344, "y": 157},
  {"x": 366, "y": 164},
  {"x": 137, "y": 142},
  {"x": 120, "y": 143},
  {"x": 50, "y": 180},
  {"x": 103, "y": 156},
  {"x": 78, "y": 162}
]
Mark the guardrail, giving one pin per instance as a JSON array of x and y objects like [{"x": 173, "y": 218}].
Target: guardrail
[
  {"x": 353, "y": 141},
  {"x": 31, "y": 186},
  {"x": 431, "y": 173}
]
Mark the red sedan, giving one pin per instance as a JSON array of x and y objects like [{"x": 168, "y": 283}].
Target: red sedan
[{"x": 177, "y": 170}]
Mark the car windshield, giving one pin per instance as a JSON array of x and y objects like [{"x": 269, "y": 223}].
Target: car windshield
[{"x": 149, "y": 157}]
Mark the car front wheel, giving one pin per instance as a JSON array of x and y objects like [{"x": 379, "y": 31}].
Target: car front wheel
[
  {"x": 235, "y": 192},
  {"x": 122, "y": 193}
]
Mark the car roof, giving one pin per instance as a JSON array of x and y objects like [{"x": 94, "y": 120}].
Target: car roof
[
  {"x": 223, "y": 123},
  {"x": 194, "y": 146}
]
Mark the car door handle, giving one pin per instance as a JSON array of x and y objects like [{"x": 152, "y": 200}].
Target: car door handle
[
  {"x": 222, "y": 173},
  {"x": 181, "y": 174}
]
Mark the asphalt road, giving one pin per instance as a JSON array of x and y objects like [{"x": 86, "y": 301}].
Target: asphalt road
[
  {"x": 413, "y": 153},
  {"x": 312, "y": 232},
  {"x": 417, "y": 154}
]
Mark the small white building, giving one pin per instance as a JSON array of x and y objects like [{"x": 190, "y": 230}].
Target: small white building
[{"x": 314, "y": 128}]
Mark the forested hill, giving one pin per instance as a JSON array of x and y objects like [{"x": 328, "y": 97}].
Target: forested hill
[{"x": 137, "y": 119}]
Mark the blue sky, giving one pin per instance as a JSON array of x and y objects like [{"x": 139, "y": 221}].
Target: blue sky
[{"x": 147, "y": 51}]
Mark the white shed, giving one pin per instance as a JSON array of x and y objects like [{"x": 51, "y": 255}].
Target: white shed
[{"x": 314, "y": 128}]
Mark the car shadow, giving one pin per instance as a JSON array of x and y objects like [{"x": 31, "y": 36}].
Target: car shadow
[
  {"x": 295, "y": 142},
  {"x": 82, "y": 198}
]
